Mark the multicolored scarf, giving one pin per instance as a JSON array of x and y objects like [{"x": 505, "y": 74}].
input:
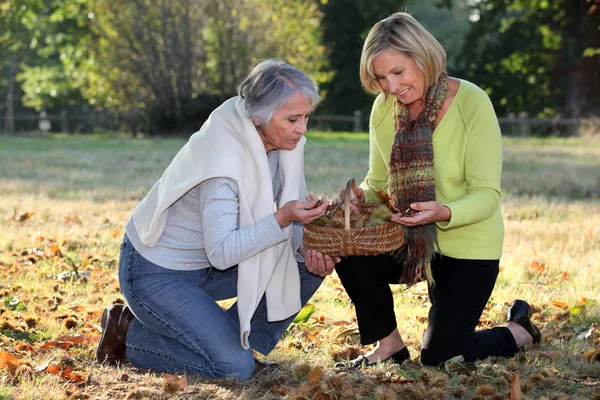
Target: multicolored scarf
[{"x": 411, "y": 179}]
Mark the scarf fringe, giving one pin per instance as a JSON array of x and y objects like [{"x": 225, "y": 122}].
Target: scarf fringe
[{"x": 416, "y": 254}]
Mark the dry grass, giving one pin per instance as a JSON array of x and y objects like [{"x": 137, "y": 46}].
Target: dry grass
[{"x": 58, "y": 271}]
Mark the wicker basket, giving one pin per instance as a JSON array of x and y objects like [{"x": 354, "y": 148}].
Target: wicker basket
[{"x": 347, "y": 241}]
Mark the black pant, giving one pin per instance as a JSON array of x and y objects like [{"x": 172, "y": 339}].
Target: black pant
[{"x": 462, "y": 289}]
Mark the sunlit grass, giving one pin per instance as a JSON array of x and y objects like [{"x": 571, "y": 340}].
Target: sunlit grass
[{"x": 80, "y": 192}]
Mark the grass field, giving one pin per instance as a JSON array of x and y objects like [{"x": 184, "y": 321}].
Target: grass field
[{"x": 64, "y": 204}]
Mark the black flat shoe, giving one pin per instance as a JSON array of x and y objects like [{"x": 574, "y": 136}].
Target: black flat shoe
[
  {"x": 521, "y": 312},
  {"x": 362, "y": 361}
]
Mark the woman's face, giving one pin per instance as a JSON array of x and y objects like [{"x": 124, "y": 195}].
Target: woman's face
[
  {"x": 287, "y": 125},
  {"x": 399, "y": 74}
]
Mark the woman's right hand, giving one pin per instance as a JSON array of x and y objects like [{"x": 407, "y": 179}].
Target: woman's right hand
[
  {"x": 360, "y": 198},
  {"x": 301, "y": 211},
  {"x": 320, "y": 264}
]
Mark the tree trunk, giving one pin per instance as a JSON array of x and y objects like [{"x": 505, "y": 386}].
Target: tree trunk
[
  {"x": 583, "y": 88},
  {"x": 9, "y": 117},
  {"x": 587, "y": 70}
]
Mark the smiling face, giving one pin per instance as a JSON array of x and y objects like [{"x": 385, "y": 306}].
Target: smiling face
[
  {"x": 400, "y": 75},
  {"x": 287, "y": 125}
]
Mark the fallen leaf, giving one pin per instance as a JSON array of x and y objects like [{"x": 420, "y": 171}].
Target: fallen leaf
[
  {"x": 43, "y": 367},
  {"x": 315, "y": 375},
  {"x": 66, "y": 373},
  {"x": 455, "y": 365},
  {"x": 283, "y": 390},
  {"x": 55, "y": 344},
  {"x": 592, "y": 355},
  {"x": 69, "y": 375},
  {"x": 304, "y": 314},
  {"x": 66, "y": 341},
  {"x": 22, "y": 217},
  {"x": 544, "y": 354},
  {"x": 560, "y": 304},
  {"x": 55, "y": 250},
  {"x": 53, "y": 369},
  {"x": 538, "y": 267},
  {"x": 9, "y": 362},
  {"x": 321, "y": 396},
  {"x": 352, "y": 335},
  {"x": 174, "y": 383},
  {"x": 515, "y": 387},
  {"x": 341, "y": 323}
]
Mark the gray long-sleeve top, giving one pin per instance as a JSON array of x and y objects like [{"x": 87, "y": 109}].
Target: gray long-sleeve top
[{"x": 202, "y": 228}]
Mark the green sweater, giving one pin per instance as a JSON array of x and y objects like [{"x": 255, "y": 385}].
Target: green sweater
[{"x": 467, "y": 155}]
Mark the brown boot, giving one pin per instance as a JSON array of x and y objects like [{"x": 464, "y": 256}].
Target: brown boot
[
  {"x": 262, "y": 365},
  {"x": 115, "y": 322}
]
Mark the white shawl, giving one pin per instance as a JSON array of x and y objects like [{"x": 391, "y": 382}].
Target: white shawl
[{"x": 228, "y": 145}]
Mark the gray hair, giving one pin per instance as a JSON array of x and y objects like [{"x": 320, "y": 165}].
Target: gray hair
[{"x": 270, "y": 84}]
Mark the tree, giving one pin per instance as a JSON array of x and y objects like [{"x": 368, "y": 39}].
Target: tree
[
  {"x": 15, "y": 38},
  {"x": 448, "y": 24},
  {"x": 172, "y": 62},
  {"x": 240, "y": 32},
  {"x": 529, "y": 55},
  {"x": 345, "y": 26},
  {"x": 60, "y": 33}
]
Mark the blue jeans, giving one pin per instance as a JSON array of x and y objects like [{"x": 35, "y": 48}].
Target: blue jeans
[{"x": 179, "y": 327}]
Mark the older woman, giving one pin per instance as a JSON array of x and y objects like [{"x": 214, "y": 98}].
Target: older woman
[
  {"x": 207, "y": 231},
  {"x": 435, "y": 147}
]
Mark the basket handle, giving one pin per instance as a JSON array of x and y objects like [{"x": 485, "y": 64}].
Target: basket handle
[{"x": 350, "y": 189}]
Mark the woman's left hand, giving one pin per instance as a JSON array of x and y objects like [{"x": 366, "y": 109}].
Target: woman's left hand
[
  {"x": 426, "y": 212},
  {"x": 318, "y": 263}
]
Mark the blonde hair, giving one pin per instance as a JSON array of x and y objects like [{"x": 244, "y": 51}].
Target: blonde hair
[{"x": 401, "y": 32}]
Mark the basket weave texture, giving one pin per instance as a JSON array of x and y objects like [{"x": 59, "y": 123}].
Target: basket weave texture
[{"x": 348, "y": 241}]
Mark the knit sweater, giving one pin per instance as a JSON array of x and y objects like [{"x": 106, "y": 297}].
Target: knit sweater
[
  {"x": 203, "y": 228},
  {"x": 467, "y": 154}
]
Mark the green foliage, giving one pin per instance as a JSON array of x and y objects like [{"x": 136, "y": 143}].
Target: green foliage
[
  {"x": 345, "y": 26},
  {"x": 6, "y": 393},
  {"x": 161, "y": 66},
  {"x": 529, "y": 56},
  {"x": 304, "y": 314},
  {"x": 241, "y": 32},
  {"x": 13, "y": 304},
  {"x": 579, "y": 311},
  {"x": 47, "y": 40},
  {"x": 447, "y": 24},
  {"x": 168, "y": 63}
]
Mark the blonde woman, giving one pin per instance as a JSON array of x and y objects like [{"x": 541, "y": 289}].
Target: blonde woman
[{"x": 435, "y": 148}]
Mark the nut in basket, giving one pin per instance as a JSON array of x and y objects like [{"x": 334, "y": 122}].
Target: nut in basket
[{"x": 365, "y": 234}]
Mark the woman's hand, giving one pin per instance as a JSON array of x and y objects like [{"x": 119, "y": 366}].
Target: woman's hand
[
  {"x": 318, "y": 263},
  {"x": 354, "y": 200},
  {"x": 301, "y": 211},
  {"x": 426, "y": 212}
]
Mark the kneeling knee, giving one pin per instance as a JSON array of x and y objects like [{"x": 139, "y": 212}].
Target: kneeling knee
[
  {"x": 430, "y": 358},
  {"x": 242, "y": 368}
]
